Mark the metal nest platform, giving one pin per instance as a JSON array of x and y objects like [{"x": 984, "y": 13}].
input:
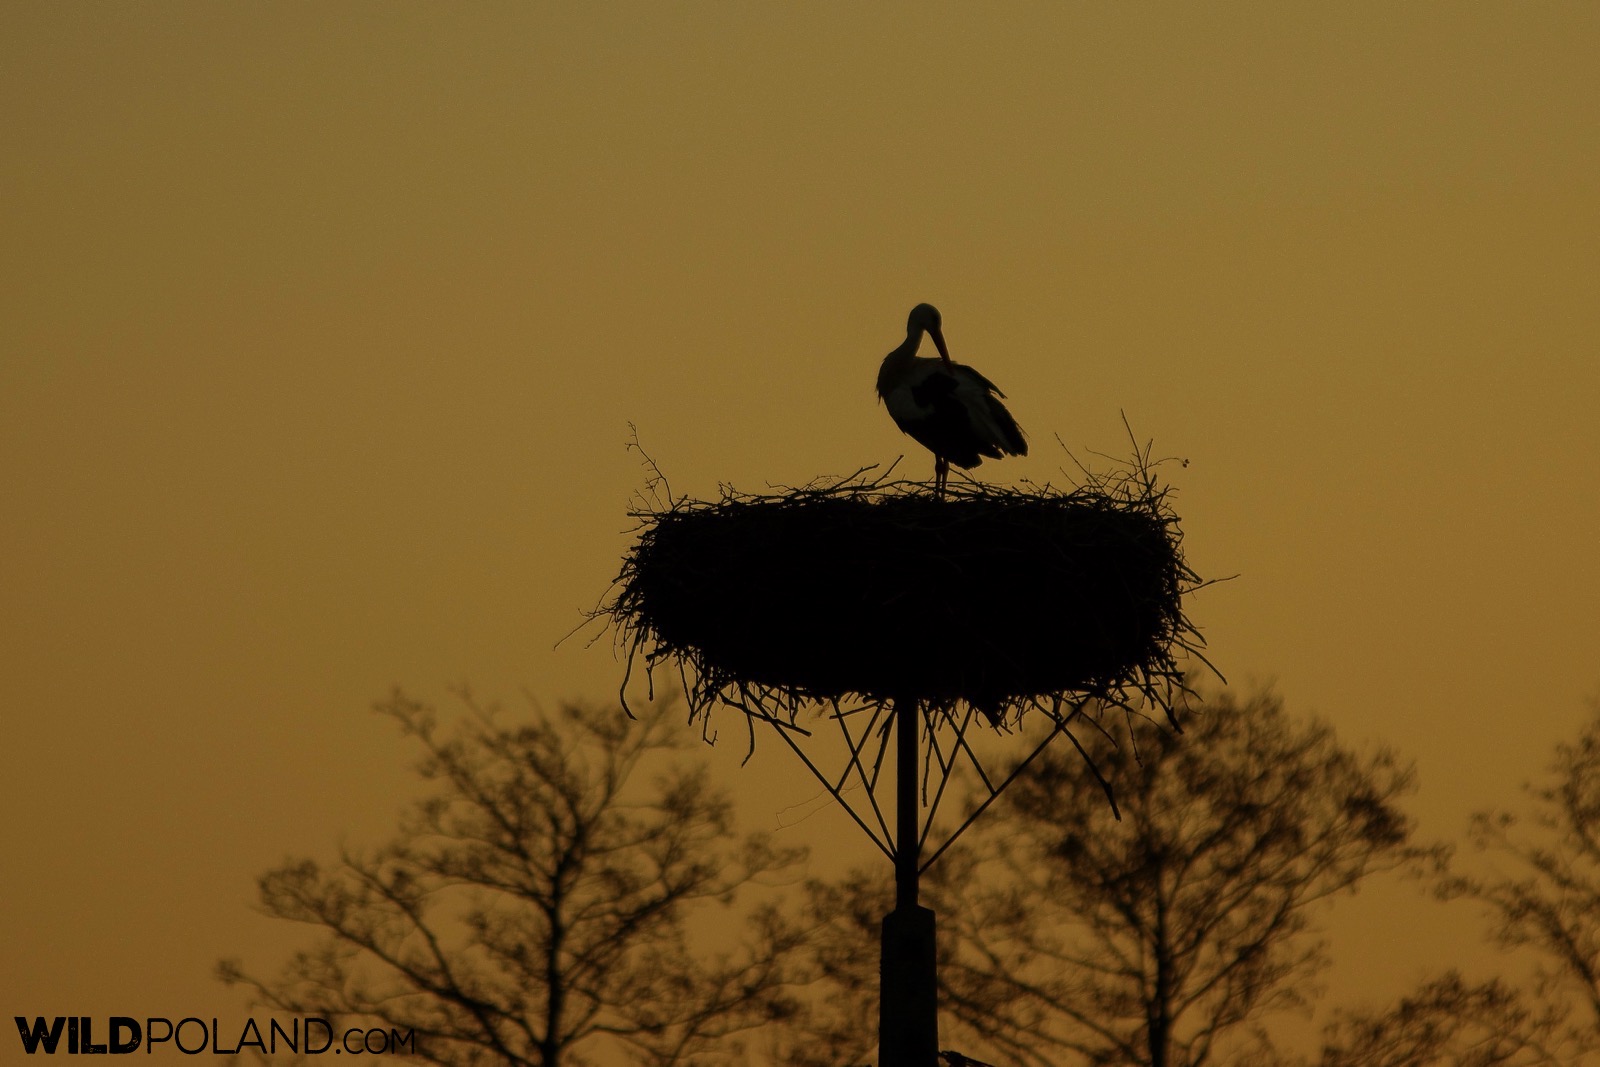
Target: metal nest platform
[{"x": 915, "y": 618}]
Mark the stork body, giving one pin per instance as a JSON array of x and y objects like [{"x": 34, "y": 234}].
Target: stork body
[{"x": 950, "y": 409}]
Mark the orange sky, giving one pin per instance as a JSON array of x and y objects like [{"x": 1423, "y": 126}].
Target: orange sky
[{"x": 322, "y": 326}]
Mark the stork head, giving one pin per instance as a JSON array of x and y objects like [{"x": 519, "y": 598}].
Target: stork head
[{"x": 925, "y": 317}]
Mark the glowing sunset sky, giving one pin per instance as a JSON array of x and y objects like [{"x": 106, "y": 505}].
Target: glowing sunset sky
[{"x": 323, "y": 326}]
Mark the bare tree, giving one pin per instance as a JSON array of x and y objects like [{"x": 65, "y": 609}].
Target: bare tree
[
  {"x": 1067, "y": 936},
  {"x": 1542, "y": 889},
  {"x": 534, "y": 909}
]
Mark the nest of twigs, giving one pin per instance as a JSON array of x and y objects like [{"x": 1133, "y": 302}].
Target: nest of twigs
[{"x": 874, "y": 590}]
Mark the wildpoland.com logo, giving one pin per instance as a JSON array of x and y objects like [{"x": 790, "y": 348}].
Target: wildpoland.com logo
[{"x": 78, "y": 1035}]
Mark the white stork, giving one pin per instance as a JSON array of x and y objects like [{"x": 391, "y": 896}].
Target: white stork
[{"x": 950, "y": 409}]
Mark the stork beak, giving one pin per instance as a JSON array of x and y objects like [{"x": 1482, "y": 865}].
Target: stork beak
[{"x": 938, "y": 339}]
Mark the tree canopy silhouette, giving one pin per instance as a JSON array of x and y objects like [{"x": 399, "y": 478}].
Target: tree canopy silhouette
[
  {"x": 1450, "y": 1022},
  {"x": 534, "y": 909},
  {"x": 1540, "y": 888},
  {"x": 1070, "y": 936}
]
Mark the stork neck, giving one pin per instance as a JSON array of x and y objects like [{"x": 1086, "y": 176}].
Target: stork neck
[{"x": 898, "y": 362}]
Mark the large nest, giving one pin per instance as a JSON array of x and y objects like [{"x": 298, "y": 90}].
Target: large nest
[{"x": 872, "y": 590}]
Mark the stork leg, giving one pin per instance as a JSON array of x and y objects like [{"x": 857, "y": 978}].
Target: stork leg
[{"x": 941, "y": 474}]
